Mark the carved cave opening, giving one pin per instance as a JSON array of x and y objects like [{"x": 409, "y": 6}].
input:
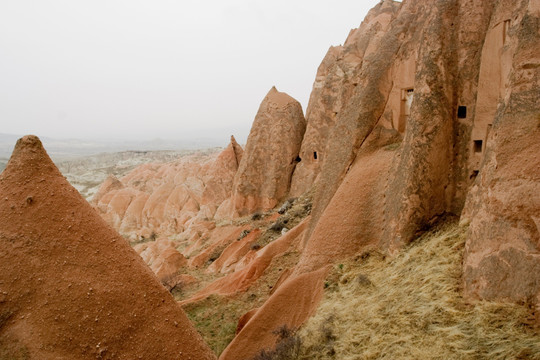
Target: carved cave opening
[
  {"x": 477, "y": 146},
  {"x": 462, "y": 112}
]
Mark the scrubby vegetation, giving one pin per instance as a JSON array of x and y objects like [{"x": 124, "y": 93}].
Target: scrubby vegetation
[
  {"x": 287, "y": 348},
  {"x": 292, "y": 211},
  {"x": 410, "y": 307},
  {"x": 216, "y": 317}
]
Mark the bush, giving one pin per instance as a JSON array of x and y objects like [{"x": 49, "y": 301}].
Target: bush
[
  {"x": 279, "y": 224},
  {"x": 287, "y": 346},
  {"x": 256, "y": 216}
]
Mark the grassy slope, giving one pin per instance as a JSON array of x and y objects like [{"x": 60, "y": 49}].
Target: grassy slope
[
  {"x": 216, "y": 317},
  {"x": 410, "y": 307}
]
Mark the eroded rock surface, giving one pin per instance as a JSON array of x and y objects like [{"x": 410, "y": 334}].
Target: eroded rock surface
[
  {"x": 426, "y": 105},
  {"x": 71, "y": 287},
  {"x": 502, "y": 256},
  {"x": 271, "y": 155},
  {"x": 168, "y": 198}
]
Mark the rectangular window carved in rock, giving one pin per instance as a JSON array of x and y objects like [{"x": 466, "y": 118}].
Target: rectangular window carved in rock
[
  {"x": 406, "y": 103},
  {"x": 462, "y": 112},
  {"x": 477, "y": 146},
  {"x": 506, "y": 26}
]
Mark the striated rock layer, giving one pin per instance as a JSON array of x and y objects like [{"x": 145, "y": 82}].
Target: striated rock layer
[{"x": 70, "y": 286}]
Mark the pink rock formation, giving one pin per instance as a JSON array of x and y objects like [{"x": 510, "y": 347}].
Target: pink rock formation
[
  {"x": 241, "y": 279},
  {"x": 164, "y": 260},
  {"x": 405, "y": 147},
  {"x": 219, "y": 240},
  {"x": 337, "y": 77},
  {"x": 271, "y": 155},
  {"x": 167, "y": 198},
  {"x": 304, "y": 291},
  {"x": 71, "y": 287},
  {"x": 111, "y": 183},
  {"x": 423, "y": 101},
  {"x": 502, "y": 255},
  {"x": 234, "y": 253}
]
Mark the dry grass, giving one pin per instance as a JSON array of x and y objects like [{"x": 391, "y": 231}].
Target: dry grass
[
  {"x": 410, "y": 307},
  {"x": 216, "y": 317}
]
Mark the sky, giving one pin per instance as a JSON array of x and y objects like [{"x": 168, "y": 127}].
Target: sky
[{"x": 141, "y": 70}]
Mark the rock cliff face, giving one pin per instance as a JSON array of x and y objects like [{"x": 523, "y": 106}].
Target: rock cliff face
[
  {"x": 406, "y": 144},
  {"x": 337, "y": 78},
  {"x": 502, "y": 256},
  {"x": 71, "y": 288}
]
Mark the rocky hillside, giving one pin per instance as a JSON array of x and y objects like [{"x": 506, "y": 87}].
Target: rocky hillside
[
  {"x": 428, "y": 112},
  {"x": 87, "y": 173}
]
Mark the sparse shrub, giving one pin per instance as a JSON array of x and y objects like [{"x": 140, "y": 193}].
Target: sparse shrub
[
  {"x": 363, "y": 280},
  {"x": 279, "y": 224},
  {"x": 286, "y": 206},
  {"x": 243, "y": 234},
  {"x": 256, "y": 216},
  {"x": 255, "y": 246},
  {"x": 287, "y": 346}
]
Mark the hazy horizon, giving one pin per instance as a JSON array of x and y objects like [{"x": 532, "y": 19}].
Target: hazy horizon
[{"x": 106, "y": 70}]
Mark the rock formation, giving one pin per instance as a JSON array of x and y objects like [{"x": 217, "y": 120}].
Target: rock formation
[
  {"x": 271, "y": 155},
  {"x": 70, "y": 286},
  {"x": 336, "y": 80},
  {"x": 409, "y": 141},
  {"x": 502, "y": 256},
  {"x": 164, "y": 199}
]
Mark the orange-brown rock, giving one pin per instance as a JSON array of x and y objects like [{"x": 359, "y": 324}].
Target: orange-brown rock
[
  {"x": 164, "y": 260},
  {"x": 434, "y": 80},
  {"x": 111, "y": 183},
  {"x": 423, "y": 101},
  {"x": 219, "y": 179},
  {"x": 168, "y": 198},
  {"x": 502, "y": 254},
  {"x": 304, "y": 291},
  {"x": 242, "y": 278},
  {"x": 218, "y": 241},
  {"x": 244, "y": 319},
  {"x": 234, "y": 252},
  {"x": 71, "y": 287},
  {"x": 271, "y": 155},
  {"x": 350, "y": 222},
  {"x": 337, "y": 77}
]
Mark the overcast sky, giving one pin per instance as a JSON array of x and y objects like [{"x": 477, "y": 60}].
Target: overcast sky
[{"x": 139, "y": 70}]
